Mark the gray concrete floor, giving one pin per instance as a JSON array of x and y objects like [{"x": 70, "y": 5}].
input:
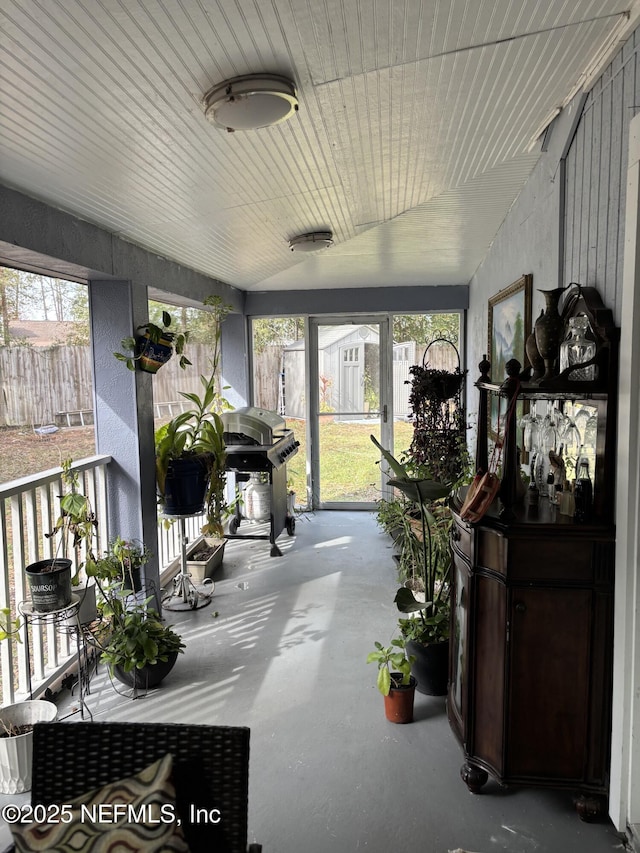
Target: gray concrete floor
[{"x": 286, "y": 657}]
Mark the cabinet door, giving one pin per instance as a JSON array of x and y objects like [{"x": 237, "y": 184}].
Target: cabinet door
[
  {"x": 489, "y": 651},
  {"x": 459, "y": 651},
  {"x": 549, "y": 640}
]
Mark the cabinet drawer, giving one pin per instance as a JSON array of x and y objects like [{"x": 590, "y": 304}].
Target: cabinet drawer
[
  {"x": 550, "y": 558},
  {"x": 492, "y": 550},
  {"x": 461, "y": 537}
]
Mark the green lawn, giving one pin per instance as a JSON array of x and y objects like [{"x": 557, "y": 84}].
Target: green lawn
[{"x": 348, "y": 457}]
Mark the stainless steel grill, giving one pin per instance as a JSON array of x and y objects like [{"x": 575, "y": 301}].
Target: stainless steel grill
[{"x": 258, "y": 440}]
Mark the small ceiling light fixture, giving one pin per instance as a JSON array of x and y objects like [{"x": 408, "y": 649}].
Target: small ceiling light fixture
[
  {"x": 312, "y": 242},
  {"x": 251, "y": 101}
]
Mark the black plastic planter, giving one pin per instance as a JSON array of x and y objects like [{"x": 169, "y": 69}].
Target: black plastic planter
[
  {"x": 50, "y": 584},
  {"x": 430, "y": 667},
  {"x": 185, "y": 486},
  {"x": 151, "y": 675}
]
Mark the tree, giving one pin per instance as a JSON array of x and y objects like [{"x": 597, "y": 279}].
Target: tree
[
  {"x": 422, "y": 328},
  {"x": 9, "y": 289},
  {"x": 274, "y": 331},
  {"x": 79, "y": 334}
]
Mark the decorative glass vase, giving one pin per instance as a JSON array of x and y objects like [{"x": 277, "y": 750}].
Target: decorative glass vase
[
  {"x": 548, "y": 331},
  {"x": 578, "y": 348}
]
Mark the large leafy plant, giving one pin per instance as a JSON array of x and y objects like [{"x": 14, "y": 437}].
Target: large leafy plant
[
  {"x": 432, "y": 614},
  {"x": 199, "y": 432}
]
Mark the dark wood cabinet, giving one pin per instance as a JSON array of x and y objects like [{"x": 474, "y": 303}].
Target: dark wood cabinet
[{"x": 532, "y": 627}]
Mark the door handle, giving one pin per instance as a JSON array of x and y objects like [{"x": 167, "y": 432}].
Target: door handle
[{"x": 385, "y": 413}]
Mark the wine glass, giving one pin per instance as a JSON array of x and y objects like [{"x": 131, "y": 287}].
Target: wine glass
[
  {"x": 531, "y": 423},
  {"x": 571, "y": 441}
]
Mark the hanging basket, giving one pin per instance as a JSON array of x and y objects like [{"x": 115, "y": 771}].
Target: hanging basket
[
  {"x": 153, "y": 354},
  {"x": 440, "y": 384}
]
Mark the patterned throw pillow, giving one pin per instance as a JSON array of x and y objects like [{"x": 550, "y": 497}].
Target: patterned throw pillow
[{"x": 134, "y": 814}]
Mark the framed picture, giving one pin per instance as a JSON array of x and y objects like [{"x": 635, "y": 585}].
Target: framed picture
[{"x": 509, "y": 328}]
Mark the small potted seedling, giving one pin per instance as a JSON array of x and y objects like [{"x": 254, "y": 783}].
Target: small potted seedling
[{"x": 395, "y": 681}]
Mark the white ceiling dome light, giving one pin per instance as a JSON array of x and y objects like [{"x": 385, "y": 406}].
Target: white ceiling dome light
[
  {"x": 251, "y": 101},
  {"x": 312, "y": 242}
]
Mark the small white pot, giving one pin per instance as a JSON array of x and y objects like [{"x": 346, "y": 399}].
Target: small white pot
[{"x": 16, "y": 752}]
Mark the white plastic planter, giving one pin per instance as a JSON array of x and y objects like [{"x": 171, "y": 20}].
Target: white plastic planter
[{"x": 16, "y": 752}]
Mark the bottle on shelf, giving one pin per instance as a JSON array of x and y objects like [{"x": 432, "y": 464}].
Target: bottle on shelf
[
  {"x": 583, "y": 493},
  {"x": 578, "y": 348},
  {"x": 567, "y": 504}
]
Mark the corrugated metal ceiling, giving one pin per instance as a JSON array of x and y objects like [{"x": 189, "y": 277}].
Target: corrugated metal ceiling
[{"x": 410, "y": 143}]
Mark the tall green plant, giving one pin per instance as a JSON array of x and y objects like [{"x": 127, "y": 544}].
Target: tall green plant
[
  {"x": 199, "y": 432},
  {"x": 76, "y": 526},
  {"x": 436, "y": 561}
]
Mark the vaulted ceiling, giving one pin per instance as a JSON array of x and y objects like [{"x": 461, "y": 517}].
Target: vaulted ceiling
[{"x": 416, "y": 128}]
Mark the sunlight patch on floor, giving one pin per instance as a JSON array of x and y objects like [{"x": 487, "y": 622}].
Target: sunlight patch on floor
[
  {"x": 339, "y": 542},
  {"x": 301, "y": 643}
]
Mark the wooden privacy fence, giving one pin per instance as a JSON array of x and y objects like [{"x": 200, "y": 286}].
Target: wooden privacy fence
[{"x": 53, "y": 385}]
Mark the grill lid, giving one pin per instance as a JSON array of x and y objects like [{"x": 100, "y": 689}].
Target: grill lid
[{"x": 260, "y": 425}]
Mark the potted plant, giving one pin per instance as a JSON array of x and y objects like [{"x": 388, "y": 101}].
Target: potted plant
[
  {"x": 50, "y": 580},
  {"x": 396, "y": 516},
  {"x": 16, "y": 742},
  {"x": 429, "y": 633},
  {"x": 141, "y": 650},
  {"x": 155, "y": 346},
  {"x": 122, "y": 562},
  {"x": 395, "y": 681},
  {"x": 138, "y": 647},
  {"x": 191, "y": 452}
]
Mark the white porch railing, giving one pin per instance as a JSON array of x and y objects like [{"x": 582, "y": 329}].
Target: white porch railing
[{"x": 28, "y": 510}]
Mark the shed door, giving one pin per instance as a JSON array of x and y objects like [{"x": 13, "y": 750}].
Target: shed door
[{"x": 351, "y": 386}]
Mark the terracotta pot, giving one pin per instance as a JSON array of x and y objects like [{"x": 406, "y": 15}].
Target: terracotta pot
[{"x": 398, "y": 705}]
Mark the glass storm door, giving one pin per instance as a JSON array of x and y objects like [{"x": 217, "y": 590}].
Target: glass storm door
[{"x": 349, "y": 393}]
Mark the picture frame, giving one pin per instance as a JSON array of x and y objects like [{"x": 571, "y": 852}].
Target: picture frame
[{"x": 509, "y": 327}]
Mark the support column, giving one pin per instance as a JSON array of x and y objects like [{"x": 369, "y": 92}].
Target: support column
[
  {"x": 123, "y": 407},
  {"x": 624, "y": 799}
]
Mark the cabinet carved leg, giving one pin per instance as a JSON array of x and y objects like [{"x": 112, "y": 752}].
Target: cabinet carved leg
[
  {"x": 590, "y": 807},
  {"x": 473, "y": 777}
]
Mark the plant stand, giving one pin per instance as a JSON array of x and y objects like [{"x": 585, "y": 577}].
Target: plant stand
[
  {"x": 67, "y": 622},
  {"x": 186, "y": 595}
]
